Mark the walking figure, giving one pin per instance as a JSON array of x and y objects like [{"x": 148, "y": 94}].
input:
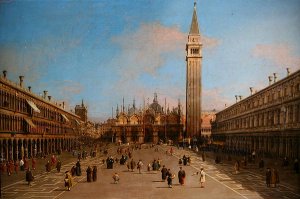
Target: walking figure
[
  {"x": 170, "y": 177},
  {"x": 58, "y": 166},
  {"x": 95, "y": 173},
  {"x": 268, "y": 177},
  {"x": 181, "y": 176},
  {"x": 68, "y": 180},
  {"x": 202, "y": 177},
  {"x": 89, "y": 174},
  {"x": 29, "y": 176},
  {"x": 140, "y": 165},
  {"x": 116, "y": 178},
  {"x": 164, "y": 172}
]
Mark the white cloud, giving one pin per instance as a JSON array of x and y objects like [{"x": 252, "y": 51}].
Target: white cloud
[
  {"x": 209, "y": 42},
  {"x": 147, "y": 49},
  {"x": 214, "y": 99},
  {"x": 281, "y": 55}
]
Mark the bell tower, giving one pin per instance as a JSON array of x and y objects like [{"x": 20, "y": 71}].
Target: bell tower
[{"x": 193, "y": 79}]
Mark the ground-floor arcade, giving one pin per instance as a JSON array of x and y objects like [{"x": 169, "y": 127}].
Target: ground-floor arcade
[
  {"x": 272, "y": 144},
  {"x": 17, "y": 148}
]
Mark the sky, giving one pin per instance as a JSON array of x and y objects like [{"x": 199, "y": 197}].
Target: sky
[{"x": 101, "y": 51}]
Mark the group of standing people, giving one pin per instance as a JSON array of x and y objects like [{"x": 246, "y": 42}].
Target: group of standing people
[
  {"x": 91, "y": 174},
  {"x": 272, "y": 177},
  {"x": 13, "y": 166},
  {"x": 53, "y": 162},
  {"x": 166, "y": 174},
  {"x": 185, "y": 160}
]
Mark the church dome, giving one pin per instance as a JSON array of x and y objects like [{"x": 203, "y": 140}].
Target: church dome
[{"x": 155, "y": 107}]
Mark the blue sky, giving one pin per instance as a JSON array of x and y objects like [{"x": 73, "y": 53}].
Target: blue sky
[{"x": 100, "y": 51}]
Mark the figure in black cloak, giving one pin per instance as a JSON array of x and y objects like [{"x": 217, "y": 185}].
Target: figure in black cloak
[
  {"x": 78, "y": 168},
  {"x": 89, "y": 174},
  {"x": 164, "y": 171},
  {"x": 95, "y": 173}
]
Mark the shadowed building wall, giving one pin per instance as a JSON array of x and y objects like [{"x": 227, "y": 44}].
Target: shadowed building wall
[
  {"x": 267, "y": 121},
  {"x": 32, "y": 125}
]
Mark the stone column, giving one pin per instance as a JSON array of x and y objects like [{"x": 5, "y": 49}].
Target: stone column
[
  {"x": 12, "y": 149},
  {"x": 6, "y": 150},
  {"x": 40, "y": 146},
  {"x": 22, "y": 149},
  {"x": 17, "y": 149},
  {"x": 1, "y": 148},
  {"x": 46, "y": 146},
  {"x": 30, "y": 148}
]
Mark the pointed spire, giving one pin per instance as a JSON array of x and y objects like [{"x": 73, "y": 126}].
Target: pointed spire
[
  {"x": 155, "y": 98},
  {"x": 179, "y": 107},
  {"x": 117, "y": 111},
  {"x": 82, "y": 105},
  {"x": 133, "y": 105},
  {"x": 123, "y": 105},
  {"x": 194, "y": 25}
]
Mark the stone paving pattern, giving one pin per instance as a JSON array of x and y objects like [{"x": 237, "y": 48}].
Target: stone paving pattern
[{"x": 221, "y": 181}]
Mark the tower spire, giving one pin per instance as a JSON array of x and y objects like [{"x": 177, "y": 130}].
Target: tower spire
[
  {"x": 193, "y": 79},
  {"x": 194, "y": 25}
]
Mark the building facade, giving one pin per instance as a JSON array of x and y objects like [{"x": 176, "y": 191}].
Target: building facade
[
  {"x": 31, "y": 124},
  {"x": 267, "y": 122},
  {"x": 81, "y": 111},
  {"x": 149, "y": 124},
  {"x": 193, "y": 79},
  {"x": 207, "y": 117}
]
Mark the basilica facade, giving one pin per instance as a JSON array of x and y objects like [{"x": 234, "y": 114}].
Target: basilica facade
[{"x": 151, "y": 123}]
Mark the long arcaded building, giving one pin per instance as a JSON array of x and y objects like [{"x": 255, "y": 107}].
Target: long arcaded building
[
  {"x": 31, "y": 124},
  {"x": 267, "y": 122}
]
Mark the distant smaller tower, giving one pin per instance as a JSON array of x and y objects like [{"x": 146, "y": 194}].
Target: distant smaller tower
[
  {"x": 117, "y": 111},
  {"x": 81, "y": 111}
]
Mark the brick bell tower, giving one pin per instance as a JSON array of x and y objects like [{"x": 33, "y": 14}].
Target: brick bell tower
[{"x": 193, "y": 79}]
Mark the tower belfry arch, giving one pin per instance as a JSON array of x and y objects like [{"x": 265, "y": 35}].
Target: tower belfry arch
[{"x": 193, "y": 79}]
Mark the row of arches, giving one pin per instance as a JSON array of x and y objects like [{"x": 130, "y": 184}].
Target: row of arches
[
  {"x": 17, "y": 148},
  {"x": 265, "y": 145}
]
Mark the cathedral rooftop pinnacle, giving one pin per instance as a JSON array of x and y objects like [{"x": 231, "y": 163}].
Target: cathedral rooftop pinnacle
[{"x": 194, "y": 26}]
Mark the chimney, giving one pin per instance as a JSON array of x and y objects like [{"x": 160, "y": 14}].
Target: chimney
[
  {"x": 251, "y": 90},
  {"x": 241, "y": 97},
  {"x": 288, "y": 71},
  {"x": 275, "y": 77},
  {"x": 63, "y": 105},
  {"x": 29, "y": 88},
  {"x": 49, "y": 97},
  {"x": 236, "y": 98},
  {"x": 270, "y": 80},
  {"x": 45, "y": 94},
  {"x": 4, "y": 74},
  {"x": 21, "y": 80}
]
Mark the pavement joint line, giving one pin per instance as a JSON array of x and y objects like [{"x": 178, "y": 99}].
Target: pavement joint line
[
  {"x": 217, "y": 181},
  {"x": 262, "y": 177}
]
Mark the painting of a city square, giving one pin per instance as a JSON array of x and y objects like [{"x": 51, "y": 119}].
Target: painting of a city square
[{"x": 141, "y": 99}]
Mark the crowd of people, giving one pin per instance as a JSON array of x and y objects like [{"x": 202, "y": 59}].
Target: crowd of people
[
  {"x": 23, "y": 165},
  {"x": 126, "y": 157}
]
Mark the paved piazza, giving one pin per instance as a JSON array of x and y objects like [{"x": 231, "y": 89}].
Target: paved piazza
[{"x": 221, "y": 181}]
